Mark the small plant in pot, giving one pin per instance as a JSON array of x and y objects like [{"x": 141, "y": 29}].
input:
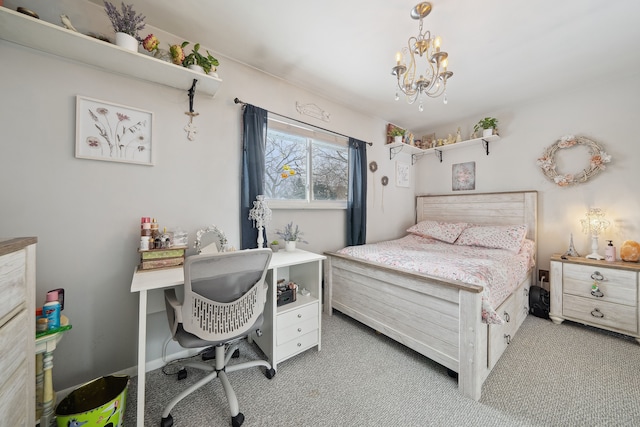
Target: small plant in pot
[
  {"x": 488, "y": 124},
  {"x": 275, "y": 246},
  {"x": 396, "y": 134},
  {"x": 291, "y": 234},
  {"x": 126, "y": 24},
  {"x": 208, "y": 62}
]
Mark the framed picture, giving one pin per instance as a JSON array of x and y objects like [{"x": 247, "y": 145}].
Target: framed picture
[
  {"x": 113, "y": 132},
  {"x": 402, "y": 174},
  {"x": 463, "y": 176},
  {"x": 429, "y": 141}
]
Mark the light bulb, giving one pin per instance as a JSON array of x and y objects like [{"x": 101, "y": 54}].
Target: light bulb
[{"x": 437, "y": 42}]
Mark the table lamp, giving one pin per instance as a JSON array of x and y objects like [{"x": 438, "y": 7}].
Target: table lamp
[
  {"x": 260, "y": 214},
  {"x": 594, "y": 224}
]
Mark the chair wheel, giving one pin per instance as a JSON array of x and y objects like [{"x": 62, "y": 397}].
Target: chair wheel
[
  {"x": 270, "y": 373},
  {"x": 167, "y": 422},
  {"x": 237, "y": 420}
]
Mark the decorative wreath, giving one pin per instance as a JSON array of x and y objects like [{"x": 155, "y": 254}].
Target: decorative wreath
[
  {"x": 384, "y": 180},
  {"x": 373, "y": 166},
  {"x": 598, "y": 158}
]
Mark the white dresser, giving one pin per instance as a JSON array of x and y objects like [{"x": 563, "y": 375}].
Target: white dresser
[
  {"x": 295, "y": 327},
  {"x": 17, "y": 331},
  {"x": 596, "y": 293}
]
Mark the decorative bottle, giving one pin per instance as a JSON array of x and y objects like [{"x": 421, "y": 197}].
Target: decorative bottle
[
  {"x": 610, "y": 252},
  {"x": 51, "y": 310}
]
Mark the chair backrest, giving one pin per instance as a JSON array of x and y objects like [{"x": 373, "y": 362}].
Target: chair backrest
[{"x": 224, "y": 293}]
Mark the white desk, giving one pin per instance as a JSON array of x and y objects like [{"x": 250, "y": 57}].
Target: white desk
[{"x": 279, "y": 266}]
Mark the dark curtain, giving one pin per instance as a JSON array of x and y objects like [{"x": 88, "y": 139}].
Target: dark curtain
[
  {"x": 357, "y": 202},
  {"x": 254, "y": 130}
]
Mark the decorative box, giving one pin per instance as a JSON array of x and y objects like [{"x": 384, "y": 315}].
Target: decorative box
[{"x": 162, "y": 258}]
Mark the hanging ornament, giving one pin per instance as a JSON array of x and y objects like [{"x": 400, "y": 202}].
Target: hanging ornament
[
  {"x": 190, "y": 128},
  {"x": 384, "y": 181}
]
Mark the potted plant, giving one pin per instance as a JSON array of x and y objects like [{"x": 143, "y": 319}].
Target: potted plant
[
  {"x": 290, "y": 234},
  {"x": 208, "y": 63},
  {"x": 275, "y": 246},
  {"x": 487, "y": 124},
  {"x": 396, "y": 134},
  {"x": 126, "y": 24}
]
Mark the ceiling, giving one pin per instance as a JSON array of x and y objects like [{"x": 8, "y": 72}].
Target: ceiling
[{"x": 502, "y": 52}]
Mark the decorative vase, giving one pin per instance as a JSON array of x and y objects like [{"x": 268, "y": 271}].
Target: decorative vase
[
  {"x": 290, "y": 245},
  {"x": 163, "y": 55},
  {"x": 126, "y": 41},
  {"x": 197, "y": 68},
  {"x": 487, "y": 132},
  {"x": 275, "y": 248},
  {"x": 397, "y": 139}
]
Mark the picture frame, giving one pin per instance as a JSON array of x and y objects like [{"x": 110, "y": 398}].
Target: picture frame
[
  {"x": 429, "y": 141},
  {"x": 112, "y": 132},
  {"x": 402, "y": 174},
  {"x": 463, "y": 176}
]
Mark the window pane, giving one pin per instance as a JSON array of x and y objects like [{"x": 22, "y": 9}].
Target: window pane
[
  {"x": 330, "y": 171},
  {"x": 285, "y": 166}
]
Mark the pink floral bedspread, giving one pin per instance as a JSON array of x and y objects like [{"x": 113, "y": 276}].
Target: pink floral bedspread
[{"x": 498, "y": 271}]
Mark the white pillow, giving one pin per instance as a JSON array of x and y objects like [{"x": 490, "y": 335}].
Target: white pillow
[
  {"x": 445, "y": 231},
  {"x": 508, "y": 237}
]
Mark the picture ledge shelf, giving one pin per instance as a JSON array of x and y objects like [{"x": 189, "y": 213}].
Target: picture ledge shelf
[
  {"x": 24, "y": 30},
  {"x": 417, "y": 153}
]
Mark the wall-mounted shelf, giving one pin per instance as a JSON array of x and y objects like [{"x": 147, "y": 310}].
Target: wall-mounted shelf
[
  {"x": 416, "y": 152},
  {"x": 56, "y": 40}
]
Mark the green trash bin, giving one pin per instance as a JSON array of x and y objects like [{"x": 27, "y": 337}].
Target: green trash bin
[{"x": 99, "y": 403}]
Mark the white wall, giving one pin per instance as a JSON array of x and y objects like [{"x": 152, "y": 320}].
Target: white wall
[
  {"x": 603, "y": 113},
  {"x": 86, "y": 213}
]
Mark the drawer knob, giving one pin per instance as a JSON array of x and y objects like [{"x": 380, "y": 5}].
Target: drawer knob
[
  {"x": 506, "y": 316},
  {"x": 299, "y": 329},
  {"x": 597, "y": 276},
  {"x": 597, "y": 313},
  {"x": 507, "y": 338},
  {"x": 299, "y": 316},
  {"x": 597, "y": 293},
  {"x": 299, "y": 344}
]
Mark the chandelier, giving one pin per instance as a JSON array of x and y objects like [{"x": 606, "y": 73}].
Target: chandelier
[{"x": 430, "y": 76}]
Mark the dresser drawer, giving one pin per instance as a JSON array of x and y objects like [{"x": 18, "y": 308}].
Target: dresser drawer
[
  {"x": 500, "y": 335},
  {"x": 14, "y": 344},
  {"x": 296, "y": 316},
  {"x": 297, "y": 330},
  {"x": 297, "y": 345},
  {"x": 617, "y": 286},
  {"x": 13, "y": 290},
  {"x": 601, "y": 313}
]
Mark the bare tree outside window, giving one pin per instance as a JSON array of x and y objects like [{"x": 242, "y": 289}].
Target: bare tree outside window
[{"x": 304, "y": 169}]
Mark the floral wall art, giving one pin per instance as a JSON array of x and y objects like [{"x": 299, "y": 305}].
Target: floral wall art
[{"x": 112, "y": 132}]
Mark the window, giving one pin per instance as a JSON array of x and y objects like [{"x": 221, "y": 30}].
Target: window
[{"x": 305, "y": 167}]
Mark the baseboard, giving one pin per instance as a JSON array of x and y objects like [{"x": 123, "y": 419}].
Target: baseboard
[{"x": 152, "y": 365}]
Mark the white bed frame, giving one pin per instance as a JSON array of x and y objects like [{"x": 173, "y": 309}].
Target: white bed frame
[{"x": 438, "y": 318}]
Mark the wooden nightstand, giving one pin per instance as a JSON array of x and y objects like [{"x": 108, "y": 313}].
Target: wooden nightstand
[{"x": 596, "y": 293}]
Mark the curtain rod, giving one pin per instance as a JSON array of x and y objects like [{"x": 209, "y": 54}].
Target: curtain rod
[{"x": 237, "y": 101}]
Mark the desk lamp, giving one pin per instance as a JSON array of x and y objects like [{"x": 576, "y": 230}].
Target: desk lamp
[
  {"x": 594, "y": 224},
  {"x": 260, "y": 214}
]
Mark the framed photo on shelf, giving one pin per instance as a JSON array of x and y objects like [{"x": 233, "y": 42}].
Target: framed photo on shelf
[
  {"x": 113, "y": 132},
  {"x": 402, "y": 174}
]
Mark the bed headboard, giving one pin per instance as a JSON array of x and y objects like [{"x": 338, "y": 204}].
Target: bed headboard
[{"x": 509, "y": 208}]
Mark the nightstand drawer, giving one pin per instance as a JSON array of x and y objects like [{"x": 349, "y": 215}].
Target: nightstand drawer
[
  {"x": 14, "y": 344},
  {"x": 616, "y": 286},
  {"x": 296, "y": 316},
  {"x": 13, "y": 292},
  {"x": 609, "y": 315},
  {"x": 297, "y": 330}
]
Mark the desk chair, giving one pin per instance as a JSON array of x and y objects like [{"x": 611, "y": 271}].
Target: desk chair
[{"x": 224, "y": 298}]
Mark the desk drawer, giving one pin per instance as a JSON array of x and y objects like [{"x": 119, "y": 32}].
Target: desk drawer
[
  {"x": 14, "y": 345},
  {"x": 296, "y": 316},
  {"x": 605, "y": 314},
  {"x": 13, "y": 290},
  {"x": 297, "y": 330},
  {"x": 297, "y": 345}
]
